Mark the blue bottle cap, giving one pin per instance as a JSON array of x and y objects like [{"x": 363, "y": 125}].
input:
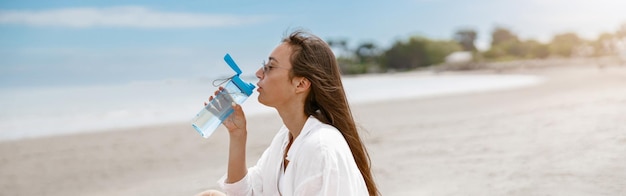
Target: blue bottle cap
[
  {"x": 229, "y": 60},
  {"x": 245, "y": 87}
]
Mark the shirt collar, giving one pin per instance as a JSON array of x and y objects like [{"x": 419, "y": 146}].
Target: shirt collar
[{"x": 310, "y": 124}]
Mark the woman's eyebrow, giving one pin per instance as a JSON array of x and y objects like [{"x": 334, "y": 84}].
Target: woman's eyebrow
[{"x": 272, "y": 58}]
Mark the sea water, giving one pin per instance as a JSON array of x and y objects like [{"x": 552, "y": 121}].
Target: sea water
[{"x": 42, "y": 111}]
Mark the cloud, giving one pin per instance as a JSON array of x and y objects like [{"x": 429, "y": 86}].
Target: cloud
[{"x": 126, "y": 16}]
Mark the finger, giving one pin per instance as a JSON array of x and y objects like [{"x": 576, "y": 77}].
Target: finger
[
  {"x": 210, "y": 98},
  {"x": 220, "y": 89},
  {"x": 205, "y": 104},
  {"x": 237, "y": 109}
]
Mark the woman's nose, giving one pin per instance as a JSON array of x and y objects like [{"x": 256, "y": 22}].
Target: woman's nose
[{"x": 259, "y": 73}]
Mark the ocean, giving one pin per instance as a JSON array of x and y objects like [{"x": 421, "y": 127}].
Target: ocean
[{"x": 28, "y": 112}]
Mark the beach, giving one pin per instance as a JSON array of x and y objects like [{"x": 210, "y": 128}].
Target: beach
[{"x": 563, "y": 136}]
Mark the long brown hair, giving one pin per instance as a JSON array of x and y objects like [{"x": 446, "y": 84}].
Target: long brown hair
[{"x": 313, "y": 59}]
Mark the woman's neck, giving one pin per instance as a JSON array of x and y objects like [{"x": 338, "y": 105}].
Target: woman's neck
[{"x": 294, "y": 120}]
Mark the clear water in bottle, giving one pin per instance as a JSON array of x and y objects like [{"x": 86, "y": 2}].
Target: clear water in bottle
[{"x": 218, "y": 109}]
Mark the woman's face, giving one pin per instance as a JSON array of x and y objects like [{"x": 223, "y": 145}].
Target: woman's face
[{"x": 275, "y": 86}]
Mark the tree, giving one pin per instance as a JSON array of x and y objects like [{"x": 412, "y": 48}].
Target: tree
[
  {"x": 536, "y": 49},
  {"x": 406, "y": 55},
  {"x": 362, "y": 59},
  {"x": 418, "y": 52},
  {"x": 605, "y": 44},
  {"x": 437, "y": 50},
  {"x": 466, "y": 38},
  {"x": 366, "y": 52},
  {"x": 505, "y": 45},
  {"x": 564, "y": 44},
  {"x": 502, "y": 35},
  {"x": 366, "y": 56},
  {"x": 341, "y": 44}
]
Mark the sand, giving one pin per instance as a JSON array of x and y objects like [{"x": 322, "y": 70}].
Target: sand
[{"x": 565, "y": 136}]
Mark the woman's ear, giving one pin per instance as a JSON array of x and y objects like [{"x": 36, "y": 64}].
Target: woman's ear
[{"x": 303, "y": 84}]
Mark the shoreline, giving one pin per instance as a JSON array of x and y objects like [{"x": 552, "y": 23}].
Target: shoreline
[
  {"x": 65, "y": 116},
  {"x": 563, "y": 136}
]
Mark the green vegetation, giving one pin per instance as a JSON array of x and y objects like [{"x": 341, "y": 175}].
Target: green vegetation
[{"x": 419, "y": 51}]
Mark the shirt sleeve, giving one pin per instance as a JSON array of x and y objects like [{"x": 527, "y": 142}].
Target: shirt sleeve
[
  {"x": 258, "y": 176},
  {"x": 249, "y": 185}
]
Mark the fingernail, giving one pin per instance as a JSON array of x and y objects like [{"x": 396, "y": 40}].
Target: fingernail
[{"x": 233, "y": 104}]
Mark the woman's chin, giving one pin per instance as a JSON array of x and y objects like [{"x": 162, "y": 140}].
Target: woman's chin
[{"x": 260, "y": 99}]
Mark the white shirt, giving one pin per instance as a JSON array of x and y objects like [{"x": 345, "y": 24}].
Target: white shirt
[{"x": 320, "y": 163}]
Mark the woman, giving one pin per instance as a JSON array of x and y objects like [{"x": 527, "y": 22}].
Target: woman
[{"x": 318, "y": 150}]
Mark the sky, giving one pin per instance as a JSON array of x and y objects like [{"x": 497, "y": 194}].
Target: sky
[{"x": 85, "y": 42}]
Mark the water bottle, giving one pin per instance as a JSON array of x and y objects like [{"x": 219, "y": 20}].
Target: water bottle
[{"x": 211, "y": 116}]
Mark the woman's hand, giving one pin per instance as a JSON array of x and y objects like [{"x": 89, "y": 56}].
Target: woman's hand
[
  {"x": 236, "y": 125},
  {"x": 236, "y": 122}
]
